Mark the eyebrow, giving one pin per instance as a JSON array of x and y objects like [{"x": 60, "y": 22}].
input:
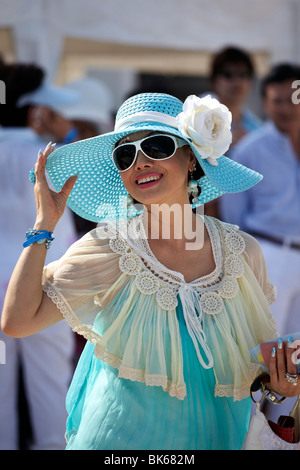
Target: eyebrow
[{"x": 125, "y": 139}]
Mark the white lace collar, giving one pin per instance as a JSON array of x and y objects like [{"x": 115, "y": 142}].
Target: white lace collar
[{"x": 134, "y": 236}]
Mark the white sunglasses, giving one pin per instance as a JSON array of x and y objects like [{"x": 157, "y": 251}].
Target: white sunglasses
[{"x": 155, "y": 147}]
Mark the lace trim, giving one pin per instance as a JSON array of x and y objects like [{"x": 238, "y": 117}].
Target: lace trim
[
  {"x": 134, "y": 239},
  {"x": 271, "y": 294},
  {"x": 228, "y": 391},
  {"x": 137, "y": 375},
  {"x": 177, "y": 278},
  {"x": 69, "y": 315},
  {"x": 243, "y": 390}
]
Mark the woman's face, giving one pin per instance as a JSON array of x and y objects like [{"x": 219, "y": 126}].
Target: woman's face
[{"x": 168, "y": 183}]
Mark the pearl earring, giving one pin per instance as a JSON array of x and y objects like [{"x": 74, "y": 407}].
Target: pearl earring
[
  {"x": 133, "y": 207},
  {"x": 130, "y": 206}
]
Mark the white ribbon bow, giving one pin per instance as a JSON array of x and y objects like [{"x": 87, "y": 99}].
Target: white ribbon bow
[{"x": 193, "y": 322}]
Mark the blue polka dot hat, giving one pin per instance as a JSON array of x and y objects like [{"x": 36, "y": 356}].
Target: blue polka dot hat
[{"x": 99, "y": 193}]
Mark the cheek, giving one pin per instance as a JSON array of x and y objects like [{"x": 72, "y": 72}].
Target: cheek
[{"x": 125, "y": 177}]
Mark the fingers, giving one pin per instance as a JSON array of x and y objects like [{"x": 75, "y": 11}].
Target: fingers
[
  {"x": 40, "y": 174},
  {"x": 41, "y": 163},
  {"x": 68, "y": 186},
  {"x": 282, "y": 361},
  {"x": 273, "y": 367},
  {"x": 290, "y": 357}
]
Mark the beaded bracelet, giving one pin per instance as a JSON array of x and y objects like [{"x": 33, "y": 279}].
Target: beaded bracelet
[{"x": 39, "y": 237}]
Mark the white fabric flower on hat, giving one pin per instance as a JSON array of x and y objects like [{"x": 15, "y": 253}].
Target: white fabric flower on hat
[{"x": 207, "y": 123}]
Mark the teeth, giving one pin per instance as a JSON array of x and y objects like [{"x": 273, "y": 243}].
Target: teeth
[{"x": 147, "y": 179}]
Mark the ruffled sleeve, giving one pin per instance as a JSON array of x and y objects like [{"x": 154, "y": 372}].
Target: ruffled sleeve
[
  {"x": 255, "y": 259},
  {"x": 79, "y": 280},
  {"x": 243, "y": 318}
]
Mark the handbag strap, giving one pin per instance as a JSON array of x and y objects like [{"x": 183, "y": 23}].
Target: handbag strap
[{"x": 259, "y": 384}]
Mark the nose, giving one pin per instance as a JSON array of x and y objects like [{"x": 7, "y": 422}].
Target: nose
[{"x": 142, "y": 161}]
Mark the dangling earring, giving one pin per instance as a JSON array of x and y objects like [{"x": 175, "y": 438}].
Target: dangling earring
[
  {"x": 130, "y": 206},
  {"x": 193, "y": 189},
  {"x": 133, "y": 207}
]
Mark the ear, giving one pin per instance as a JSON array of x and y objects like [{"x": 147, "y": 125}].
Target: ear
[{"x": 192, "y": 158}]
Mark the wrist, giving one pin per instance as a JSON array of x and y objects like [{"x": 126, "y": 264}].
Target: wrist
[
  {"x": 44, "y": 225},
  {"x": 40, "y": 237},
  {"x": 270, "y": 395}
]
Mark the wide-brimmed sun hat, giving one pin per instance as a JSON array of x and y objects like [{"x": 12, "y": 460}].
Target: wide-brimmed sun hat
[{"x": 204, "y": 123}]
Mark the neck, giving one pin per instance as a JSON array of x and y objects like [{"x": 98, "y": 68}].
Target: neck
[{"x": 176, "y": 224}]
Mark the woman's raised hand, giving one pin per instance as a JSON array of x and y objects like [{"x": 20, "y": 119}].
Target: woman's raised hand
[{"x": 50, "y": 205}]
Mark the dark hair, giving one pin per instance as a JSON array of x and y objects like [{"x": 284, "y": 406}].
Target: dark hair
[
  {"x": 19, "y": 79},
  {"x": 280, "y": 73},
  {"x": 230, "y": 55},
  {"x": 198, "y": 172}
]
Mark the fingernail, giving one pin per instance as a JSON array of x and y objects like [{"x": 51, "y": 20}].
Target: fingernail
[
  {"x": 279, "y": 342},
  {"x": 274, "y": 352},
  {"x": 48, "y": 145},
  {"x": 290, "y": 342}
]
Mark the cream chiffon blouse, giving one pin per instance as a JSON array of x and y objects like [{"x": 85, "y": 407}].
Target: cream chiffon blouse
[{"x": 112, "y": 290}]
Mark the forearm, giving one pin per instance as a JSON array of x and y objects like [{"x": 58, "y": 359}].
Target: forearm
[
  {"x": 24, "y": 293},
  {"x": 27, "y": 309}
]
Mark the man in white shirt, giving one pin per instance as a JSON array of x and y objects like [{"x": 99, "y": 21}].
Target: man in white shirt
[{"x": 271, "y": 210}]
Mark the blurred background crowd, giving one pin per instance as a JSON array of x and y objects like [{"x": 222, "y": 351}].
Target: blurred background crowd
[{"x": 66, "y": 68}]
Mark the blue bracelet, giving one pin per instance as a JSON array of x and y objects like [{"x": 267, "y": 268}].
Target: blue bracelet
[
  {"x": 32, "y": 177},
  {"x": 38, "y": 236}
]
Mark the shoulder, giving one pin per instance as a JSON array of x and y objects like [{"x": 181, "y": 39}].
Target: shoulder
[
  {"x": 238, "y": 241},
  {"x": 94, "y": 242}
]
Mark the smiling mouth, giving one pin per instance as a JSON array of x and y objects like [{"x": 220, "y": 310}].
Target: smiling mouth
[{"x": 148, "y": 179}]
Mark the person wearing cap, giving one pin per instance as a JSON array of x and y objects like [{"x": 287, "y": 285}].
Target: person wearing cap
[
  {"x": 170, "y": 301},
  {"x": 92, "y": 113},
  {"x": 45, "y": 358}
]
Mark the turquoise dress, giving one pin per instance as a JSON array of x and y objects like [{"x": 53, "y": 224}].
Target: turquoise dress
[
  {"x": 110, "y": 413},
  {"x": 167, "y": 364}
]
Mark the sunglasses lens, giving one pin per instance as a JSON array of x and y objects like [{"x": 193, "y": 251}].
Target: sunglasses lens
[
  {"x": 123, "y": 156},
  {"x": 158, "y": 147}
]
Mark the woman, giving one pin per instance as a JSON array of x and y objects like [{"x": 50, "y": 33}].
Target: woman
[{"x": 170, "y": 318}]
